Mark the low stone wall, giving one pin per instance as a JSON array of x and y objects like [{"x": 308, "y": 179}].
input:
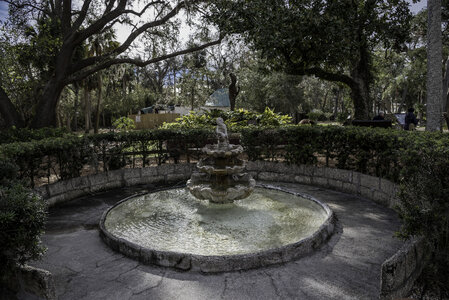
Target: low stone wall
[
  {"x": 66, "y": 190},
  {"x": 377, "y": 189},
  {"x": 398, "y": 273},
  {"x": 29, "y": 283}
]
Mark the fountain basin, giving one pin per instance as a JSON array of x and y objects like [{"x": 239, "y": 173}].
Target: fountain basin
[{"x": 174, "y": 229}]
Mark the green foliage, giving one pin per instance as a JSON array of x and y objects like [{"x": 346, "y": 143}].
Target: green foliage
[
  {"x": 234, "y": 120},
  {"x": 424, "y": 208},
  {"x": 25, "y": 135},
  {"x": 22, "y": 220},
  {"x": 124, "y": 123}
]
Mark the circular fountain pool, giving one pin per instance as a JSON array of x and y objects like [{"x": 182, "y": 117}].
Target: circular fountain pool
[{"x": 173, "y": 228}]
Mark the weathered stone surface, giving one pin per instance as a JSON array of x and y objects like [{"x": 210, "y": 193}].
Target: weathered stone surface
[
  {"x": 319, "y": 172},
  {"x": 339, "y": 174},
  {"x": 115, "y": 175},
  {"x": 149, "y": 171},
  {"x": 346, "y": 267},
  {"x": 350, "y": 188},
  {"x": 165, "y": 169},
  {"x": 80, "y": 183},
  {"x": 58, "y": 188},
  {"x": 335, "y": 184},
  {"x": 98, "y": 179},
  {"x": 303, "y": 179},
  {"x": 155, "y": 179},
  {"x": 369, "y": 181},
  {"x": 381, "y": 198},
  {"x": 319, "y": 181},
  {"x": 177, "y": 177},
  {"x": 367, "y": 192}
]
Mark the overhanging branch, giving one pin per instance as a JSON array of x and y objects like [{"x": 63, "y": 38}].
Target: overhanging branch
[{"x": 140, "y": 63}]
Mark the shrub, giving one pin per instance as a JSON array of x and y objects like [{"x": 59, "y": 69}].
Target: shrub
[
  {"x": 424, "y": 210},
  {"x": 124, "y": 123},
  {"x": 22, "y": 219},
  {"x": 234, "y": 120},
  {"x": 12, "y": 135}
]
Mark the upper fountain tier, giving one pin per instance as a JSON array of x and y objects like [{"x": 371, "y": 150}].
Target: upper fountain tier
[{"x": 221, "y": 178}]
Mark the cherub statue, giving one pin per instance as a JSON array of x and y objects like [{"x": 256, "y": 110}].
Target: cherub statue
[{"x": 222, "y": 134}]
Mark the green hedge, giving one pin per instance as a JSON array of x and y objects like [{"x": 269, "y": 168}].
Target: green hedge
[
  {"x": 379, "y": 152},
  {"x": 66, "y": 156},
  {"x": 12, "y": 135}
]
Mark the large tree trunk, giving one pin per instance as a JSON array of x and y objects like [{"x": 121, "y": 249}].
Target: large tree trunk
[
  {"x": 361, "y": 78},
  {"x": 434, "y": 70},
  {"x": 97, "y": 112},
  {"x": 86, "y": 110},
  {"x": 234, "y": 90},
  {"x": 9, "y": 112},
  {"x": 360, "y": 96},
  {"x": 45, "y": 115}
]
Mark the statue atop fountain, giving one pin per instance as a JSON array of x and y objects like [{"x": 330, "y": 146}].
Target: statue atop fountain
[
  {"x": 222, "y": 134},
  {"x": 221, "y": 177}
]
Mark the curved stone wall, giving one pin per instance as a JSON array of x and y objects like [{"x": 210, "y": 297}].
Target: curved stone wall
[{"x": 398, "y": 273}]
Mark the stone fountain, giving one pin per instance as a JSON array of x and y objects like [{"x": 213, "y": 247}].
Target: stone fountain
[
  {"x": 221, "y": 178},
  {"x": 240, "y": 227}
]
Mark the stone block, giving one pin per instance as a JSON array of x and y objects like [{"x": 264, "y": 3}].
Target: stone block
[
  {"x": 307, "y": 170},
  {"x": 320, "y": 181},
  {"x": 393, "y": 272},
  {"x": 370, "y": 182},
  {"x": 80, "y": 182},
  {"x": 319, "y": 172},
  {"x": 381, "y": 198},
  {"x": 367, "y": 192},
  {"x": 269, "y": 176},
  {"x": 165, "y": 169},
  {"x": 177, "y": 177},
  {"x": 349, "y": 188},
  {"x": 132, "y": 173},
  {"x": 58, "y": 188},
  {"x": 114, "y": 184},
  {"x": 149, "y": 171},
  {"x": 335, "y": 184},
  {"x": 37, "y": 282},
  {"x": 410, "y": 261},
  {"x": 155, "y": 179},
  {"x": 134, "y": 181},
  {"x": 185, "y": 169},
  {"x": 115, "y": 175},
  {"x": 338, "y": 174},
  {"x": 387, "y": 187},
  {"x": 98, "y": 179},
  {"x": 303, "y": 179}
]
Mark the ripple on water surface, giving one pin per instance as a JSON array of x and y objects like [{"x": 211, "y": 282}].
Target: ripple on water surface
[{"x": 174, "y": 220}]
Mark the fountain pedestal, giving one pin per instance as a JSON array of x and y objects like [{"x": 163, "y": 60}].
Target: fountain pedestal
[{"x": 221, "y": 178}]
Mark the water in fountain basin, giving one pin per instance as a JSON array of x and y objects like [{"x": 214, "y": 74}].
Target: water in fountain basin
[{"x": 174, "y": 220}]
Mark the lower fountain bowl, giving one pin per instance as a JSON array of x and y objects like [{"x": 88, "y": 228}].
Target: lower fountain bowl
[{"x": 174, "y": 229}]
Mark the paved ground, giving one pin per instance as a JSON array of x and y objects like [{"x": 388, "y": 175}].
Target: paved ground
[{"x": 347, "y": 267}]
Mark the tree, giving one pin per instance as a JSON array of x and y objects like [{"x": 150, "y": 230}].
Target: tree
[
  {"x": 70, "y": 27},
  {"x": 332, "y": 40},
  {"x": 434, "y": 68}
]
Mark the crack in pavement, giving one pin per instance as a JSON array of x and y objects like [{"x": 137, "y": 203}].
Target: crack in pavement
[
  {"x": 222, "y": 296},
  {"x": 152, "y": 287}
]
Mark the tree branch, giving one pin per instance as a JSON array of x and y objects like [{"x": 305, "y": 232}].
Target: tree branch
[{"x": 105, "y": 64}]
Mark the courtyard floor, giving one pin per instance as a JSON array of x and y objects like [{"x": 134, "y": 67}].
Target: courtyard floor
[{"x": 346, "y": 267}]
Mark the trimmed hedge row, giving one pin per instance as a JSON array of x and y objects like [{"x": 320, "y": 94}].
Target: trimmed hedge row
[
  {"x": 12, "y": 135},
  {"x": 66, "y": 156},
  {"x": 374, "y": 151}
]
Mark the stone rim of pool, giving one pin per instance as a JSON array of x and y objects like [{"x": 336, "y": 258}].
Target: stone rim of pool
[{"x": 223, "y": 263}]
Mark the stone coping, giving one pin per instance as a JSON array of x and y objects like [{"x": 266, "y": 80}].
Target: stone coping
[{"x": 223, "y": 263}]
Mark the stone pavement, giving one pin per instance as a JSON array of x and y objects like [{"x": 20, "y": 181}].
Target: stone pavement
[{"x": 346, "y": 267}]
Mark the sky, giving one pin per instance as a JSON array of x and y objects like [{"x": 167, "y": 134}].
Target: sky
[{"x": 122, "y": 32}]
